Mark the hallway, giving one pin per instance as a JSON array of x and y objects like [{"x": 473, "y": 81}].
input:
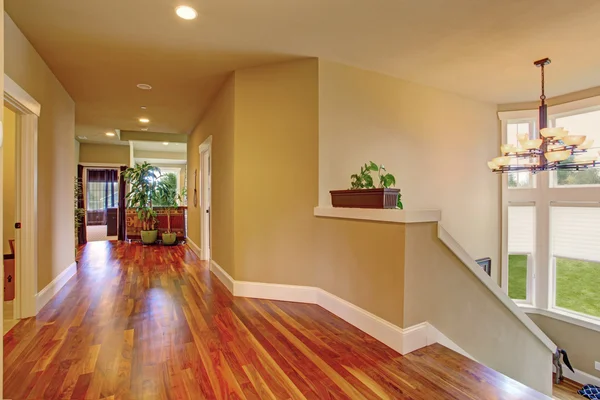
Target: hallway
[{"x": 152, "y": 322}]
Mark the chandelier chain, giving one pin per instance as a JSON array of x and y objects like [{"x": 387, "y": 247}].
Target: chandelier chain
[{"x": 543, "y": 96}]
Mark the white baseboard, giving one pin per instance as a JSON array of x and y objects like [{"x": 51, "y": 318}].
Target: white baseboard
[
  {"x": 580, "y": 377},
  {"x": 222, "y": 275},
  {"x": 404, "y": 341},
  {"x": 194, "y": 247},
  {"x": 47, "y": 293}
]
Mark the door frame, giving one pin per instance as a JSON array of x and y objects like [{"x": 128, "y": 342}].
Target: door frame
[
  {"x": 26, "y": 258},
  {"x": 205, "y": 150}
]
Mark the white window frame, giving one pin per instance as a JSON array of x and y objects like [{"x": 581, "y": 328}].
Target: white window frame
[{"x": 544, "y": 195}]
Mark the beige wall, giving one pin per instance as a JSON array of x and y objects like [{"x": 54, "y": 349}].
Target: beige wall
[
  {"x": 218, "y": 122},
  {"x": 56, "y": 153},
  {"x": 77, "y": 150},
  {"x": 582, "y": 344},
  {"x": 9, "y": 175},
  {"x": 440, "y": 289},
  {"x": 276, "y": 172},
  {"x": 565, "y": 98},
  {"x": 103, "y": 153},
  {"x": 434, "y": 142}
]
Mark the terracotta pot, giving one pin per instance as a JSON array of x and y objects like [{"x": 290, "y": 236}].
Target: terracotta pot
[{"x": 365, "y": 198}]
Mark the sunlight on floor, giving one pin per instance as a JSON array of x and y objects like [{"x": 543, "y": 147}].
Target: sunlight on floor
[{"x": 97, "y": 233}]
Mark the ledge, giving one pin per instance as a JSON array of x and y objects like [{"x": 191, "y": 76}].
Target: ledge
[
  {"x": 369, "y": 214},
  {"x": 564, "y": 316}
]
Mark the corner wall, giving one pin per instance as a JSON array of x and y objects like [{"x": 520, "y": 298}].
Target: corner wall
[
  {"x": 217, "y": 122},
  {"x": 56, "y": 152},
  {"x": 435, "y": 143},
  {"x": 9, "y": 176}
]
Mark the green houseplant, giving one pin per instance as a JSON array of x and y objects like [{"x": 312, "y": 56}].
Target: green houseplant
[
  {"x": 169, "y": 199},
  {"x": 143, "y": 180},
  {"x": 364, "y": 194},
  {"x": 79, "y": 212}
]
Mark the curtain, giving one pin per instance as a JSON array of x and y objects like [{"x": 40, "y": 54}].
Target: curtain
[
  {"x": 121, "y": 235},
  {"x": 81, "y": 232}
]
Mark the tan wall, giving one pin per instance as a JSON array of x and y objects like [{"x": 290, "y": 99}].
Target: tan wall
[
  {"x": 103, "y": 153},
  {"x": 440, "y": 289},
  {"x": 565, "y": 98},
  {"x": 163, "y": 155},
  {"x": 56, "y": 153},
  {"x": 218, "y": 122},
  {"x": 77, "y": 150},
  {"x": 276, "y": 172},
  {"x": 434, "y": 142},
  {"x": 2, "y": 71},
  {"x": 582, "y": 344},
  {"x": 9, "y": 175}
]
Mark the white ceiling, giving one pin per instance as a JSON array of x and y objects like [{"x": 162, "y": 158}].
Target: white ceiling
[
  {"x": 160, "y": 147},
  {"x": 483, "y": 49}
]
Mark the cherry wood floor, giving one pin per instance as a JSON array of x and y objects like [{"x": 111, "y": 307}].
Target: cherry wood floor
[
  {"x": 152, "y": 323},
  {"x": 567, "y": 390}
]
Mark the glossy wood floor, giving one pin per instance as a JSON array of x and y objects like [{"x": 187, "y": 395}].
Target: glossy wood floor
[
  {"x": 153, "y": 323},
  {"x": 567, "y": 390}
]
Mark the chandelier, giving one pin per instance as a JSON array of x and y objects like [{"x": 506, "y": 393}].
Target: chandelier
[{"x": 553, "y": 149}]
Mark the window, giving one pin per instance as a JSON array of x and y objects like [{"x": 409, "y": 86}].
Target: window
[
  {"x": 585, "y": 123},
  {"x": 551, "y": 242},
  {"x": 100, "y": 195},
  {"x": 575, "y": 233},
  {"x": 518, "y": 179},
  {"x": 521, "y": 228}
]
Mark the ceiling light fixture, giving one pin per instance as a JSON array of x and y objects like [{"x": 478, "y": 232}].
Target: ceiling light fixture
[
  {"x": 144, "y": 129},
  {"x": 82, "y": 137},
  {"x": 166, "y": 143},
  {"x": 144, "y": 86},
  {"x": 110, "y": 134},
  {"x": 186, "y": 12},
  {"x": 550, "y": 150},
  {"x": 143, "y": 107},
  {"x": 144, "y": 120}
]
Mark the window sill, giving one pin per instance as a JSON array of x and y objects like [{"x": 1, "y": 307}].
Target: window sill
[
  {"x": 383, "y": 215},
  {"x": 564, "y": 316}
]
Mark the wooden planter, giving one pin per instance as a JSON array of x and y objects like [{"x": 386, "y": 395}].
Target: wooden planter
[{"x": 365, "y": 198}]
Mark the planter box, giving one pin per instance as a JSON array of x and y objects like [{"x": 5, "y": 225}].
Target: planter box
[{"x": 365, "y": 198}]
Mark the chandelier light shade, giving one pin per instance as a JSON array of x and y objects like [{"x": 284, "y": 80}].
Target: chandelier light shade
[{"x": 553, "y": 149}]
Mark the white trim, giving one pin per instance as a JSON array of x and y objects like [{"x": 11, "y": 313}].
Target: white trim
[
  {"x": 583, "y": 105},
  {"x": 221, "y": 274},
  {"x": 19, "y": 98},
  {"x": 404, "y": 341},
  {"x": 194, "y": 247},
  {"x": 28, "y": 111},
  {"x": 564, "y": 316},
  {"x": 205, "y": 150},
  {"x": 47, "y": 293},
  {"x": 387, "y": 215},
  {"x": 447, "y": 239},
  {"x": 579, "y": 376}
]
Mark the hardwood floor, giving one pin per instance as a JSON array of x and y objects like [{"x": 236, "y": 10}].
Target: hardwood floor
[
  {"x": 567, "y": 390},
  {"x": 152, "y": 323}
]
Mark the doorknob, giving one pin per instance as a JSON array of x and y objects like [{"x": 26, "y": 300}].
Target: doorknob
[{"x": 17, "y": 225}]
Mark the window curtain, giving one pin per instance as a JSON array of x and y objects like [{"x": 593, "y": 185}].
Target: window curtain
[
  {"x": 81, "y": 232},
  {"x": 121, "y": 234}
]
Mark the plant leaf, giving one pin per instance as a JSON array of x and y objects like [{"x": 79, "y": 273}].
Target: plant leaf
[{"x": 373, "y": 167}]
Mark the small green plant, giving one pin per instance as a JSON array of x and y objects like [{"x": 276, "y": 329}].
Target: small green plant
[
  {"x": 169, "y": 198},
  {"x": 79, "y": 212},
  {"x": 144, "y": 179},
  {"x": 364, "y": 180}
]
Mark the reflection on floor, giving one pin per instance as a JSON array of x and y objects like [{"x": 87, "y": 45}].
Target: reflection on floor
[
  {"x": 97, "y": 233},
  {"x": 9, "y": 322}
]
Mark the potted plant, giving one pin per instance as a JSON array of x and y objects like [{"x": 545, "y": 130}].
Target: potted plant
[
  {"x": 364, "y": 194},
  {"x": 143, "y": 180},
  {"x": 169, "y": 199}
]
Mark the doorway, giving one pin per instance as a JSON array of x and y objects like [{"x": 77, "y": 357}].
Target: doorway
[
  {"x": 101, "y": 192},
  {"x": 23, "y": 111},
  {"x": 205, "y": 198}
]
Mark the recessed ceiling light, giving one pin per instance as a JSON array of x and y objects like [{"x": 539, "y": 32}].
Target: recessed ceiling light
[
  {"x": 144, "y": 129},
  {"x": 82, "y": 137},
  {"x": 186, "y": 12},
  {"x": 144, "y": 120},
  {"x": 110, "y": 134},
  {"x": 143, "y": 107},
  {"x": 144, "y": 86},
  {"x": 166, "y": 143}
]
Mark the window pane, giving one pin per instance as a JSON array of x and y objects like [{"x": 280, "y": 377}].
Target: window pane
[
  {"x": 517, "y": 277},
  {"x": 517, "y": 179},
  {"x": 521, "y": 229},
  {"x": 578, "y": 286},
  {"x": 576, "y": 232},
  {"x": 580, "y": 124}
]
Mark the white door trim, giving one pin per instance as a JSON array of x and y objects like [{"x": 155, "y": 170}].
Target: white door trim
[
  {"x": 26, "y": 261},
  {"x": 205, "y": 150}
]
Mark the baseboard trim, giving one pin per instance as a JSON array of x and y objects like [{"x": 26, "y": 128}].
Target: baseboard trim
[
  {"x": 222, "y": 275},
  {"x": 44, "y": 296},
  {"x": 194, "y": 247},
  {"x": 403, "y": 340},
  {"x": 580, "y": 377}
]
